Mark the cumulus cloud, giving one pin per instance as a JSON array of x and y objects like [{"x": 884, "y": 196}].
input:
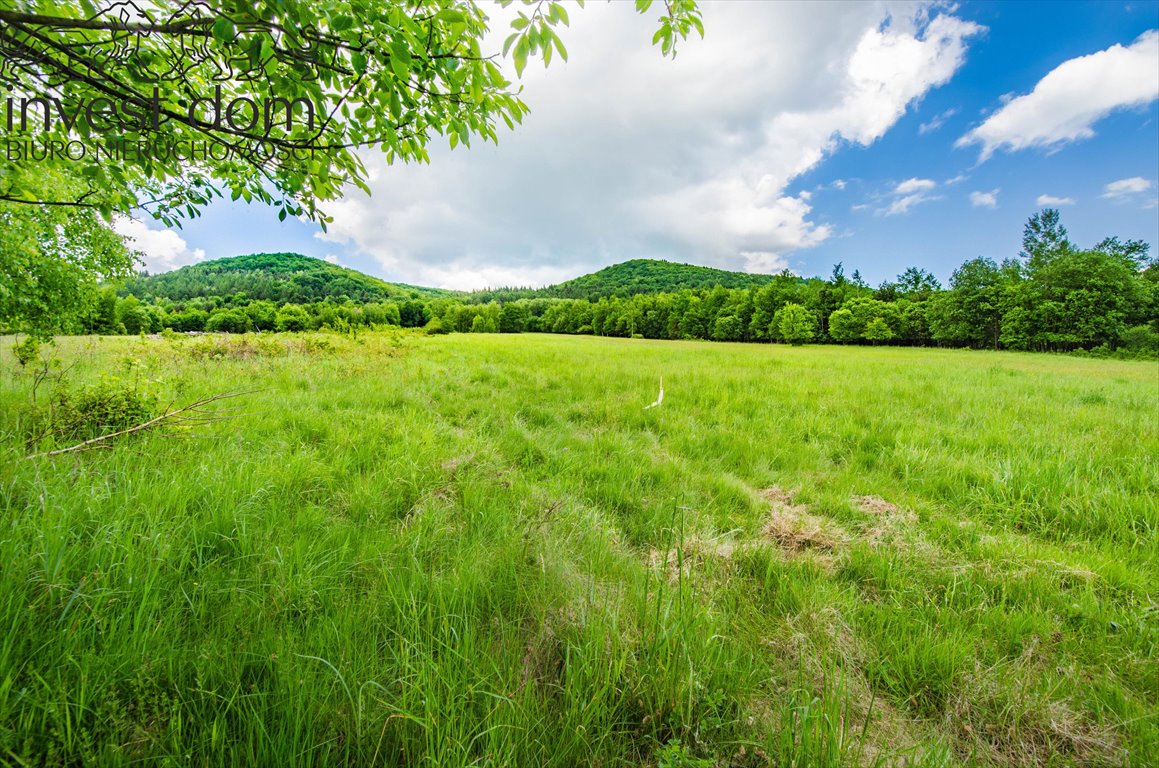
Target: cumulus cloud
[
  {"x": 1071, "y": 98},
  {"x": 161, "y": 249},
  {"x": 984, "y": 199},
  {"x": 1052, "y": 200},
  {"x": 626, "y": 154}
]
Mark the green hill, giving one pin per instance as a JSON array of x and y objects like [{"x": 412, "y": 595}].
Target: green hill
[
  {"x": 279, "y": 277},
  {"x": 630, "y": 278}
]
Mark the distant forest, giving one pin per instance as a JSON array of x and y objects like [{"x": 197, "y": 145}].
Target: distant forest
[{"x": 1054, "y": 296}]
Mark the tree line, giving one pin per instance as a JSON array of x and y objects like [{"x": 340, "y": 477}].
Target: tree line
[{"x": 1055, "y": 296}]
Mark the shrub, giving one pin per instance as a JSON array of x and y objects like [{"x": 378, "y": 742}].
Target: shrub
[
  {"x": 26, "y": 351},
  {"x": 99, "y": 409},
  {"x": 1141, "y": 340}
]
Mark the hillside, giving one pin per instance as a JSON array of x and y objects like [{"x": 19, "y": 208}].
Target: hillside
[
  {"x": 279, "y": 277},
  {"x": 630, "y": 278}
]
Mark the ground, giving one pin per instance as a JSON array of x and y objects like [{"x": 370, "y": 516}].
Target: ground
[{"x": 482, "y": 549}]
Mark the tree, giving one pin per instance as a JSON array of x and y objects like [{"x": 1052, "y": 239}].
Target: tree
[
  {"x": 229, "y": 321},
  {"x": 292, "y": 317},
  {"x": 270, "y": 100},
  {"x": 843, "y": 326},
  {"x": 51, "y": 260},
  {"x": 917, "y": 283},
  {"x": 1043, "y": 238},
  {"x": 102, "y": 315},
  {"x": 795, "y": 324},
  {"x": 727, "y": 328},
  {"x": 970, "y": 313},
  {"x": 513, "y": 318},
  {"x": 132, "y": 315},
  {"x": 878, "y": 330},
  {"x": 413, "y": 314}
]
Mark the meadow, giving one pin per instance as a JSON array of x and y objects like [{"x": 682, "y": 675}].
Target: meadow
[{"x": 481, "y": 550}]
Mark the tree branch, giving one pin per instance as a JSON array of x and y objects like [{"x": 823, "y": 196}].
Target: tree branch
[{"x": 157, "y": 421}]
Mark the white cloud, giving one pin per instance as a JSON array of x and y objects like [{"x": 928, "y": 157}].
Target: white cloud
[
  {"x": 903, "y": 204},
  {"x": 956, "y": 180},
  {"x": 839, "y": 183},
  {"x": 160, "y": 249},
  {"x": 626, "y": 154},
  {"x": 1052, "y": 200},
  {"x": 906, "y": 195},
  {"x": 984, "y": 199},
  {"x": 910, "y": 186},
  {"x": 936, "y": 122},
  {"x": 1123, "y": 188},
  {"x": 1134, "y": 189},
  {"x": 1071, "y": 98},
  {"x": 764, "y": 262}
]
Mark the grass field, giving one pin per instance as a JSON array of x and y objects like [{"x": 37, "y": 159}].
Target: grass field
[{"x": 480, "y": 549}]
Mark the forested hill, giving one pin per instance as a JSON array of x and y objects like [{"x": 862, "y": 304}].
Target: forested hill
[
  {"x": 277, "y": 277},
  {"x": 630, "y": 278}
]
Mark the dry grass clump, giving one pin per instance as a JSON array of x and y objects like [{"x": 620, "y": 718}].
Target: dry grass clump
[{"x": 793, "y": 527}]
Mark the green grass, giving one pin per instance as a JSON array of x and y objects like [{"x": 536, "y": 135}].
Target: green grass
[{"x": 482, "y": 550}]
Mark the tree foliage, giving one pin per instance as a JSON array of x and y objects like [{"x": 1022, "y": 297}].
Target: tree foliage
[
  {"x": 51, "y": 260},
  {"x": 277, "y": 277},
  {"x": 281, "y": 95},
  {"x": 629, "y": 278}
]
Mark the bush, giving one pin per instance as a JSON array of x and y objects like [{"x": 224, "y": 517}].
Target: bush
[
  {"x": 1140, "y": 341},
  {"x": 99, "y": 409},
  {"x": 240, "y": 348},
  {"x": 27, "y": 351}
]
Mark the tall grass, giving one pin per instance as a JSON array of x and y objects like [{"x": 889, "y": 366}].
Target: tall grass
[{"x": 481, "y": 549}]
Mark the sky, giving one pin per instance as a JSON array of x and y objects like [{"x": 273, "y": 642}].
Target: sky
[{"x": 878, "y": 135}]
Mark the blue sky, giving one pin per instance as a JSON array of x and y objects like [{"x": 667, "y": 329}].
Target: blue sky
[{"x": 878, "y": 135}]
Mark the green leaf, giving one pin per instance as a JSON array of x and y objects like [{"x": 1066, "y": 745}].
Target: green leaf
[
  {"x": 477, "y": 83},
  {"x": 511, "y": 39},
  {"x": 521, "y": 50},
  {"x": 223, "y": 30},
  {"x": 400, "y": 59}
]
